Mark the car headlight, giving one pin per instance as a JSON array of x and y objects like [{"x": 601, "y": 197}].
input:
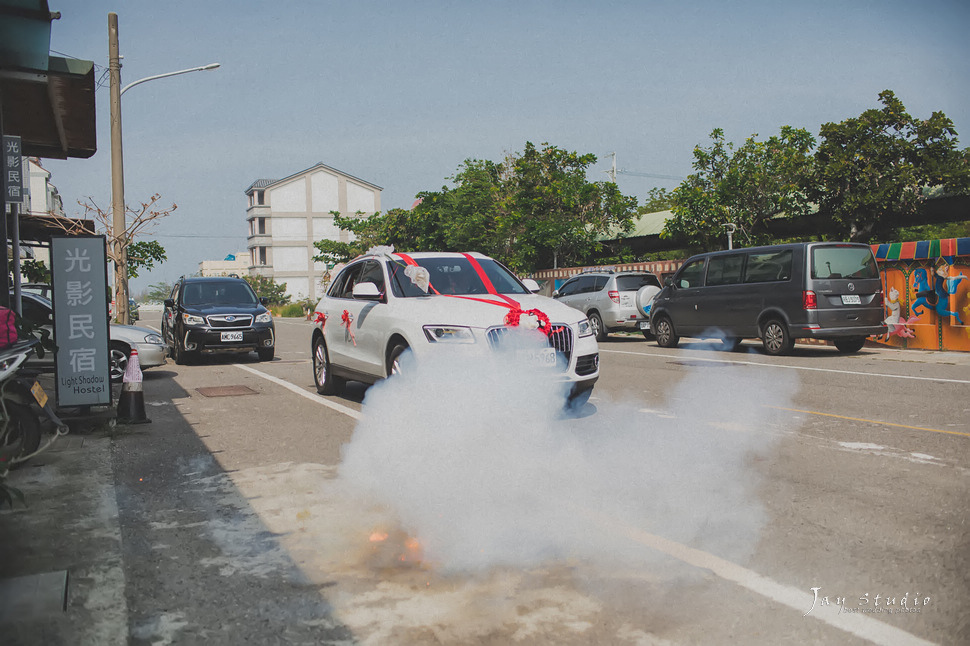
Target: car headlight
[
  {"x": 154, "y": 339},
  {"x": 265, "y": 317},
  {"x": 585, "y": 329},
  {"x": 448, "y": 334},
  {"x": 191, "y": 319}
]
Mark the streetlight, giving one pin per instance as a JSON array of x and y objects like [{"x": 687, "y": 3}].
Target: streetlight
[
  {"x": 117, "y": 162},
  {"x": 210, "y": 66}
]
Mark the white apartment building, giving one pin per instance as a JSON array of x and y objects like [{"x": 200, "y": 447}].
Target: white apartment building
[
  {"x": 286, "y": 216},
  {"x": 41, "y": 199},
  {"x": 235, "y": 264}
]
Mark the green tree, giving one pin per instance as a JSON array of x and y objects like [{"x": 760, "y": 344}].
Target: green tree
[
  {"x": 553, "y": 215},
  {"x": 746, "y": 187},
  {"x": 35, "y": 271},
  {"x": 158, "y": 292},
  {"x": 872, "y": 170},
  {"x": 658, "y": 199},
  {"x": 263, "y": 286},
  {"x": 144, "y": 255},
  {"x": 532, "y": 210}
]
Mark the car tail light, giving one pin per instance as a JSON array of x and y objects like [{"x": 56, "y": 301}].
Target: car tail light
[
  {"x": 879, "y": 298},
  {"x": 809, "y": 300},
  {"x": 615, "y": 296}
]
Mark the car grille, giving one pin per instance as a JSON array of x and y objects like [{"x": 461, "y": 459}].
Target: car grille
[
  {"x": 561, "y": 338},
  {"x": 223, "y": 320}
]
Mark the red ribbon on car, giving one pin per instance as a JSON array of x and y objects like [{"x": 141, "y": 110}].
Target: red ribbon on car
[
  {"x": 515, "y": 309},
  {"x": 347, "y": 319}
]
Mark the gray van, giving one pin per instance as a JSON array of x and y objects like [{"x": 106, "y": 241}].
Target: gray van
[{"x": 818, "y": 290}]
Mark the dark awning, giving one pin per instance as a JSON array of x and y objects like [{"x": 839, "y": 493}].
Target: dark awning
[
  {"x": 46, "y": 100},
  {"x": 51, "y": 111}
]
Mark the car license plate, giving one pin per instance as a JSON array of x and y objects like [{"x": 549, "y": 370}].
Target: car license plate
[
  {"x": 851, "y": 299},
  {"x": 232, "y": 336},
  {"x": 644, "y": 325},
  {"x": 39, "y": 395},
  {"x": 542, "y": 357}
]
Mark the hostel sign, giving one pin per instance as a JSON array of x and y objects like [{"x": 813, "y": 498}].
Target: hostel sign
[
  {"x": 79, "y": 274},
  {"x": 13, "y": 172}
]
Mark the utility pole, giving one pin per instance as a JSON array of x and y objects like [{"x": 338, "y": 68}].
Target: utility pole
[{"x": 118, "y": 225}]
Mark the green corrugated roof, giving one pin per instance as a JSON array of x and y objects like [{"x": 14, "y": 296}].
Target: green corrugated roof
[{"x": 648, "y": 224}]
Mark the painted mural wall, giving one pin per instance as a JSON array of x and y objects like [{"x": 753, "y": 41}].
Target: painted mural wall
[{"x": 927, "y": 293}]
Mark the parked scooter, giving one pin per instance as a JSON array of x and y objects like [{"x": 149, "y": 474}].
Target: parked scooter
[{"x": 22, "y": 401}]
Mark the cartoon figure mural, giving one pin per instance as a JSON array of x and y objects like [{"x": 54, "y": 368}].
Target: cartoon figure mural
[
  {"x": 936, "y": 296},
  {"x": 927, "y": 293},
  {"x": 897, "y": 324}
]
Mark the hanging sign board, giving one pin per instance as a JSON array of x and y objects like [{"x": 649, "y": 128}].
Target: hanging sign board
[
  {"x": 13, "y": 170},
  {"x": 79, "y": 277}
]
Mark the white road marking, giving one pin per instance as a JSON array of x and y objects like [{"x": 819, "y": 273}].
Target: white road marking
[
  {"x": 856, "y": 624},
  {"x": 776, "y": 365},
  {"x": 340, "y": 408}
]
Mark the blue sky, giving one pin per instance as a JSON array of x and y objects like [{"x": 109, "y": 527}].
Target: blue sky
[{"x": 400, "y": 93}]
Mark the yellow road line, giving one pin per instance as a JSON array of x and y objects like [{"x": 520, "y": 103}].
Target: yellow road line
[{"x": 871, "y": 421}]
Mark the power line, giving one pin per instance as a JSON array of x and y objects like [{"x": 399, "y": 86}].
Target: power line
[
  {"x": 163, "y": 235},
  {"x": 654, "y": 175},
  {"x": 613, "y": 172}
]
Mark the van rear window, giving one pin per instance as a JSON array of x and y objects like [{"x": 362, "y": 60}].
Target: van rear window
[
  {"x": 768, "y": 267},
  {"x": 843, "y": 262}
]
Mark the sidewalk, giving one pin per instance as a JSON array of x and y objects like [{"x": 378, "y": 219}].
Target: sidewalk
[
  {"x": 61, "y": 576},
  {"x": 138, "y": 536}
]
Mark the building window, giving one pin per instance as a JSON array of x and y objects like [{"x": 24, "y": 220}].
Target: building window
[
  {"x": 260, "y": 197},
  {"x": 262, "y": 255},
  {"x": 261, "y": 226}
]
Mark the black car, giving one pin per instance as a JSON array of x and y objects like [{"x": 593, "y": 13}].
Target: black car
[{"x": 209, "y": 315}]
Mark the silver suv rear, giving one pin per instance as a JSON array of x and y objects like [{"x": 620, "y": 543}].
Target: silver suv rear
[{"x": 608, "y": 298}]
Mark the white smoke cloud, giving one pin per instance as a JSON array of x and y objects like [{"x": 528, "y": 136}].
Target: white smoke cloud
[{"x": 478, "y": 461}]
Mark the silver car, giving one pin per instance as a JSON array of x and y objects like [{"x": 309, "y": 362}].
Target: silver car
[
  {"x": 608, "y": 298},
  {"x": 122, "y": 339}
]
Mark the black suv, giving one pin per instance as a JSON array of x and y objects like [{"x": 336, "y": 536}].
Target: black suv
[{"x": 208, "y": 315}]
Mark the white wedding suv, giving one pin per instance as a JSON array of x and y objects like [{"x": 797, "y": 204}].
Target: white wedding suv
[{"x": 383, "y": 304}]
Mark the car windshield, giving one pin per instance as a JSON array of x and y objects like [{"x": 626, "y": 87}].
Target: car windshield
[
  {"x": 454, "y": 276},
  {"x": 218, "y": 293}
]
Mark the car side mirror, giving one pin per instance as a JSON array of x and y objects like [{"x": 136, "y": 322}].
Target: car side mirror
[
  {"x": 367, "y": 292},
  {"x": 264, "y": 301},
  {"x": 169, "y": 302},
  {"x": 531, "y": 285}
]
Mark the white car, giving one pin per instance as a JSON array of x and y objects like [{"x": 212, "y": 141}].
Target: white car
[{"x": 383, "y": 304}]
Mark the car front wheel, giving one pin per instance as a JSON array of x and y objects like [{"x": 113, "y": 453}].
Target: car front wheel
[
  {"x": 730, "y": 343},
  {"x": 327, "y": 383},
  {"x": 182, "y": 356},
  {"x": 663, "y": 329},
  {"x": 395, "y": 358}
]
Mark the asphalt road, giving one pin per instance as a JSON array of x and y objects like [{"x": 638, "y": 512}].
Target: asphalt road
[{"x": 701, "y": 497}]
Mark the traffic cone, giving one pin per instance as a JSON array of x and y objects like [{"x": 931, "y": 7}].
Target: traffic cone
[{"x": 131, "y": 404}]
